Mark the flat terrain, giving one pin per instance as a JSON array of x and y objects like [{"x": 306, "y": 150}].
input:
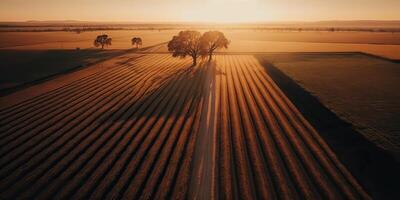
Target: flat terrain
[
  {"x": 382, "y": 44},
  {"x": 146, "y": 127},
  {"x": 24, "y": 66},
  {"x": 359, "y": 88},
  {"x": 21, "y": 68},
  {"x": 29, "y": 56},
  {"x": 72, "y": 40}
]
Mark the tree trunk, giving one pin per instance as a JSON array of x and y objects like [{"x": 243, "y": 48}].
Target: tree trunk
[
  {"x": 102, "y": 46},
  {"x": 194, "y": 60},
  {"x": 210, "y": 56}
]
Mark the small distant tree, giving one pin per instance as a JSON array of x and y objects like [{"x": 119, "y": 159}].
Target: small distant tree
[
  {"x": 186, "y": 43},
  {"x": 213, "y": 40},
  {"x": 137, "y": 41},
  {"x": 102, "y": 40}
]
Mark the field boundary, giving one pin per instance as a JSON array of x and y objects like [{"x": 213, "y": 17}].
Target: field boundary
[
  {"x": 9, "y": 90},
  {"x": 299, "y": 52},
  {"x": 373, "y": 167},
  {"x": 380, "y": 57}
]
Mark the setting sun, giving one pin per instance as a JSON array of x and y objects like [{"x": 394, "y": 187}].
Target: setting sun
[
  {"x": 227, "y": 11},
  {"x": 199, "y": 10}
]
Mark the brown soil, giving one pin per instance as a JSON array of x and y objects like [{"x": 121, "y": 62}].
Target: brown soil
[{"x": 153, "y": 128}]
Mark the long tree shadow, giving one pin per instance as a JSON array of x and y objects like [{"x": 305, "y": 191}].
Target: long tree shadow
[
  {"x": 200, "y": 184},
  {"x": 376, "y": 170},
  {"x": 165, "y": 94}
]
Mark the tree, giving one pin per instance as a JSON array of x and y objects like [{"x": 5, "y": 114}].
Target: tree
[
  {"x": 137, "y": 41},
  {"x": 186, "y": 43},
  {"x": 102, "y": 40},
  {"x": 213, "y": 40}
]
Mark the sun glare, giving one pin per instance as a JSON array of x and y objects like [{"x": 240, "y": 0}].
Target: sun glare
[{"x": 226, "y": 11}]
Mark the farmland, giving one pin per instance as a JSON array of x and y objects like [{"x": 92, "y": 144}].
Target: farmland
[
  {"x": 200, "y": 100},
  {"x": 78, "y": 122},
  {"x": 356, "y": 87},
  {"x": 40, "y": 55},
  {"x": 382, "y": 44},
  {"x": 26, "y": 66},
  {"x": 149, "y": 127}
]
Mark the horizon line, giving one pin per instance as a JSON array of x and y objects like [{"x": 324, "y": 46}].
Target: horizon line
[{"x": 196, "y": 21}]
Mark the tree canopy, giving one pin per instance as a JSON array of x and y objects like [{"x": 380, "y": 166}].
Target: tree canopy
[
  {"x": 213, "y": 40},
  {"x": 194, "y": 44},
  {"x": 137, "y": 41},
  {"x": 186, "y": 43},
  {"x": 102, "y": 40}
]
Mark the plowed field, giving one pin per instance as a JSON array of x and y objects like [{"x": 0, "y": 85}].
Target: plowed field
[{"x": 154, "y": 128}]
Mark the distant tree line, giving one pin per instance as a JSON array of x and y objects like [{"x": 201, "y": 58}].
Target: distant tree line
[{"x": 290, "y": 29}]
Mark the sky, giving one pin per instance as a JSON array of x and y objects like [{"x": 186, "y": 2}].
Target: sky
[{"x": 199, "y": 10}]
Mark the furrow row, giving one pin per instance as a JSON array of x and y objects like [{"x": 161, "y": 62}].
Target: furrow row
[
  {"x": 59, "y": 118},
  {"x": 77, "y": 129},
  {"x": 59, "y": 93},
  {"x": 68, "y": 96},
  {"x": 154, "y": 128}
]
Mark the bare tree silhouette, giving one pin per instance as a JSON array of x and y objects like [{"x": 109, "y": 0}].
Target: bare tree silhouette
[
  {"x": 102, "y": 40},
  {"x": 137, "y": 41},
  {"x": 213, "y": 40},
  {"x": 186, "y": 43}
]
